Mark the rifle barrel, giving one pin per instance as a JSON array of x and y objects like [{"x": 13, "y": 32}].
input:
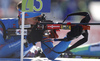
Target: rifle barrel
[
  {"x": 85, "y": 23},
  {"x": 44, "y": 23}
]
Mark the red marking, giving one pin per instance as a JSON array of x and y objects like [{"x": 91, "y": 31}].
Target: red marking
[
  {"x": 13, "y": 24},
  {"x": 69, "y": 23},
  {"x": 53, "y": 34},
  {"x": 1, "y": 29},
  {"x": 49, "y": 41},
  {"x": 19, "y": 32},
  {"x": 45, "y": 38},
  {"x": 53, "y": 26},
  {"x": 85, "y": 27},
  {"x": 26, "y": 14},
  {"x": 19, "y": 13},
  {"x": 1, "y": 45},
  {"x": 47, "y": 51}
]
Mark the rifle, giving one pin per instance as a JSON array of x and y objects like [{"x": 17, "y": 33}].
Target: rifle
[
  {"x": 84, "y": 23},
  {"x": 49, "y": 25}
]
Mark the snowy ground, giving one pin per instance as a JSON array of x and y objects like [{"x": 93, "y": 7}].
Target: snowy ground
[{"x": 45, "y": 59}]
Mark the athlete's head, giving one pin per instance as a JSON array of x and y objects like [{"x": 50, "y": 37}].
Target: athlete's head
[{"x": 30, "y": 17}]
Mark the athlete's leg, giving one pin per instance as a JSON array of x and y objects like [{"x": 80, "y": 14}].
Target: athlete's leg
[{"x": 62, "y": 46}]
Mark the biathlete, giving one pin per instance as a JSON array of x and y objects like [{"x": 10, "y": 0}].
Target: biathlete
[{"x": 12, "y": 46}]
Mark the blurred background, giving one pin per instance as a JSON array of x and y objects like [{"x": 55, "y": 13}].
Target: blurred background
[{"x": 59, "y": 10}]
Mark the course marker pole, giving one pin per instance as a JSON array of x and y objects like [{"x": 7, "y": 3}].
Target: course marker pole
[{"x": 22, "y": 36}]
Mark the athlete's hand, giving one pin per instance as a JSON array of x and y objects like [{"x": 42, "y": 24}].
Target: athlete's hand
[
  {"x": 35, "y": 35},
  {"x": 74, "y": 33}
]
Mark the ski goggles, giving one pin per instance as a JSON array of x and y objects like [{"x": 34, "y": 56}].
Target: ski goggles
[{"x": 28, "y": 14}]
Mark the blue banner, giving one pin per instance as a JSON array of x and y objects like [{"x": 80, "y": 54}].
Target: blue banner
[
  {"x": 44, "y": 4},
  {"x": 36, "y": 5}
]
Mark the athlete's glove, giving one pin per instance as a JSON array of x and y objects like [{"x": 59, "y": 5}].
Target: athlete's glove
[
  {"x": 35, "y": 35},
  {"x": 74, "y": 33}
]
